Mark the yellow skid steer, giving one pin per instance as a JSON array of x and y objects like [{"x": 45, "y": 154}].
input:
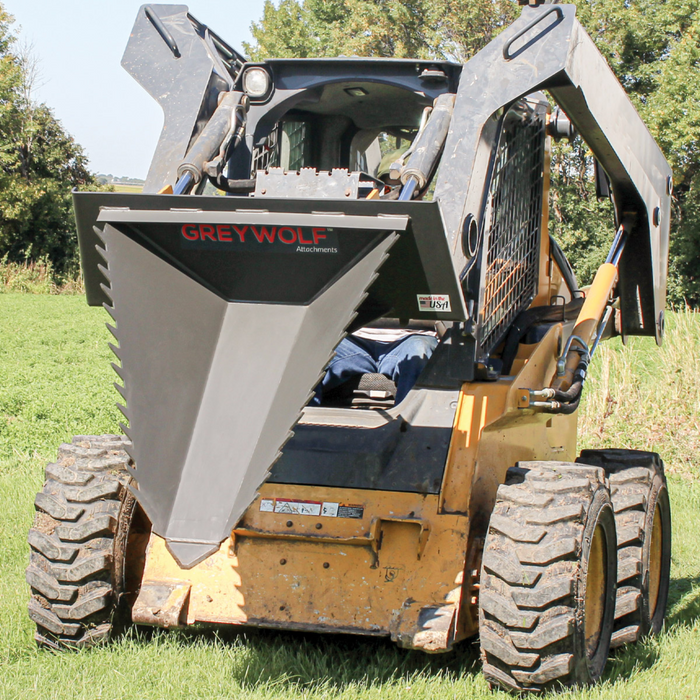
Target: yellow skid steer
[{"x": 245, "y": 489}]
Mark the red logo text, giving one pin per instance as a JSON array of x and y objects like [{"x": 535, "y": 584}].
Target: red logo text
[{"x": 228, "y": 233}]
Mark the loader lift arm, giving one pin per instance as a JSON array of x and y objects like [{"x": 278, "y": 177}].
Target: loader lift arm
[{"x": 547, "y": 48}]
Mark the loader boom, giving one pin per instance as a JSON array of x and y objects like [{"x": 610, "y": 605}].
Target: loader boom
[{"x": 547, "y": 48}]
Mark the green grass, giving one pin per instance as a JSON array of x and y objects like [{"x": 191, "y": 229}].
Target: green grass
[{"x": 55, "y": 381}]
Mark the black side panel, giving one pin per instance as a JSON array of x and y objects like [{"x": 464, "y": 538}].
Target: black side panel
[{"x": 395, "y": 457}]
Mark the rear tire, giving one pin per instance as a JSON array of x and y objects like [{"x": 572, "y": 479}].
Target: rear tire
[
  {"x": 78, "y": 543},
  {"x": 643, "y": 520},
  {"x": 546, "y": 602}
]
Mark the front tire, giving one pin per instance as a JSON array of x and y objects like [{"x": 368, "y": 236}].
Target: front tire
[
  {"x": 547, "y": 597},
  {"x": 78, "y": 543}
]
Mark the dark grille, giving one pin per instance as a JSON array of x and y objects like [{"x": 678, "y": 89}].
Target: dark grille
[
  {"x": 513, "y": 221},
  {"x": 266, "y": 156},
  {"x": 294, "y": 145}
]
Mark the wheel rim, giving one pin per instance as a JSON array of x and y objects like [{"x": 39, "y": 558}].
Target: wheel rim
[
  {"x": 655, "y": 557},
  {"x": 596, "y": 587}
]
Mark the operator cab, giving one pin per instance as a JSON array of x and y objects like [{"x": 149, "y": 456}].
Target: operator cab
[
  {"x": 332, "y": 128},
  {"x": 319, "y": 114}
]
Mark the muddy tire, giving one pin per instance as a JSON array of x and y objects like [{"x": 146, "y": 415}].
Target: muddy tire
[
  {"x": 78, "y": 543},
  {"x": 547, "y": 588},
  {"x": 643, "y": 520}
]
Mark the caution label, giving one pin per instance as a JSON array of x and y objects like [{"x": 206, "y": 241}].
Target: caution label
[
  {"x": 289, "y": 507},
  {"x": 342, "y": 510},
  {"x": 325, "y": 509}
]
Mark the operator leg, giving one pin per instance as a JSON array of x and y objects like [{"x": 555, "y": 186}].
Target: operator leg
[
  {"x": 351, "y": 358},
  {"x": 405, "y": 359}
]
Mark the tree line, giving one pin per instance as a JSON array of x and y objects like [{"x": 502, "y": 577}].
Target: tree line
[
  {"x": 653, "y": 47},
  {"x": 39, "y": 165}
]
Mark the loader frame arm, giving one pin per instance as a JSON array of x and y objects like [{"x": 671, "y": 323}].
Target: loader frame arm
[{"x": 547, "y": 48}]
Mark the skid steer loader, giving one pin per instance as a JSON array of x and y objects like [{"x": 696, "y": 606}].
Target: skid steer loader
[{"x": 267, "y": 230}]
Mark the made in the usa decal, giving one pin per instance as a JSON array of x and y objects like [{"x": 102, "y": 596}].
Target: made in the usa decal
[{"x": 434, "y": 302}]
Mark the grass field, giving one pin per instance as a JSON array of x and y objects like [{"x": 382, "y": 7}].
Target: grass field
[{"x": 55, "y": 381}]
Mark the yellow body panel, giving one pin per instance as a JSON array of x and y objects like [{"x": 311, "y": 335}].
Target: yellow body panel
[{"x": 351, "y": 574}]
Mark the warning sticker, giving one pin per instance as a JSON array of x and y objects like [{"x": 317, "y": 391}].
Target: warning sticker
[
  {"x": 282, "y": 505},
  {"x": 434, "y": 302},
  {"x": 330, "y": 510},
  {"x": 350, "y": 511},
  {"x": 325, "y": 509},
  {"x": 342, "y": 510}
]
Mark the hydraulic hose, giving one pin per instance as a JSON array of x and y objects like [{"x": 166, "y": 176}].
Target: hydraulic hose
[
  {"x": 574, "y": 391},
  {"x": 567, "y": 408},
  {"x": 564, "y": 394},
  {"x": 560, "y": 401}
]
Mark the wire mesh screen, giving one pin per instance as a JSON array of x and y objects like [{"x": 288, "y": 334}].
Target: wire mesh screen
[
  {"x": 266, "y": 156},
  {"x": 513, "y": 221},
  {"x": 293, "y": 148},
  {"x": 286, "y": 147}
]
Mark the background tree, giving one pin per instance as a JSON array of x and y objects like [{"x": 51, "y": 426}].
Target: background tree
[
  {"x": 653, "y": 47},
  {"x": 39, "y": 165},
  {"x": 400, "y": 28}
]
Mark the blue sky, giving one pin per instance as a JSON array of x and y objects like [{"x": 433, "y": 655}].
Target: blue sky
[{"x": 79, "y": 45}]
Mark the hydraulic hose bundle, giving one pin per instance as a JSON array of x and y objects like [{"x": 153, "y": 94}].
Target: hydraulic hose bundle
[
  {"x": 564, "y": 395},
  {"x": 563, "y": 401}
]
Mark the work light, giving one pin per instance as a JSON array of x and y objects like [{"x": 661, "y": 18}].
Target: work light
[{"x": 256, "y": 82}]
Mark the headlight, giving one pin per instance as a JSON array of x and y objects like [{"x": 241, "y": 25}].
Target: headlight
[{"x": 256, "y": 82}]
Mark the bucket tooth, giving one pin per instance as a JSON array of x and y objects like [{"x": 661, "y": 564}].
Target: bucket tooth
[
  {"x": 128, "y": 446},
  {"x": 112, "y": 314},
  {"x": 127, "y": 431},
  {"x": 111, "y": 311},
  {"x": 108, "y": 292},
  {"x": 105, "y": 272},
  {"x": 102, "y": 253},
  {"x": 100, "y": 234}
]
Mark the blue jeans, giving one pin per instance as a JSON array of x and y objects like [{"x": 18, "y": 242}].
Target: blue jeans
[{"x": 402, "y": 361}]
